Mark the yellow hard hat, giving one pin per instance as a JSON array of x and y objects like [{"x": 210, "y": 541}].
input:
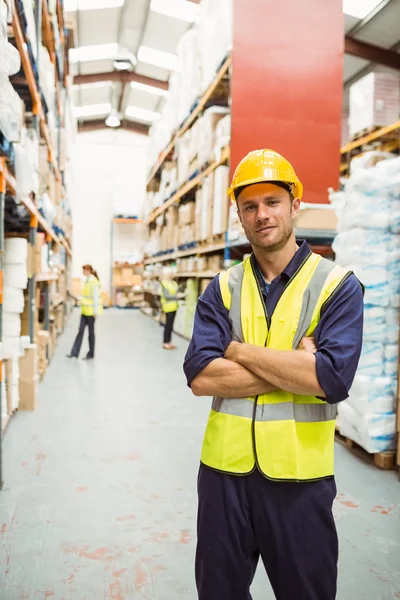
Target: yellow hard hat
[{"x": 265, "y": 166}]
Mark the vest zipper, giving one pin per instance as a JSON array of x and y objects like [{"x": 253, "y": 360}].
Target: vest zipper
[{"x": 253, "y": 424}]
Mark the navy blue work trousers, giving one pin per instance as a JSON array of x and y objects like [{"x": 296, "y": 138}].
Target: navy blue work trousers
[{"x": 290, "y": 525}]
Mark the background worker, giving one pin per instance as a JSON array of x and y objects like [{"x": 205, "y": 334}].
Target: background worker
[
  {"x": 266, "y": 482},
  {"x": 169, "y": 305},
  {"x": 91, "y": 307}
]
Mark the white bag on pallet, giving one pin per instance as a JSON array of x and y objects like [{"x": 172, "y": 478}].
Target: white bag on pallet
[
  {"x": 370, "y": 395},
  {"x": 371, "y": 360},
  {"x": 375, "y": 433}
]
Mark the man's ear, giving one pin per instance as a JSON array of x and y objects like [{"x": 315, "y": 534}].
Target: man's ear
[{"x": 296, "y": 207}]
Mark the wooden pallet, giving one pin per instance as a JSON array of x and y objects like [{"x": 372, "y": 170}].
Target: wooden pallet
[{"x": 382, "y": 460}]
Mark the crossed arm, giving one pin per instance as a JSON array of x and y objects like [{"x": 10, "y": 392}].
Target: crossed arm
[{"x": 249, "y": 370}]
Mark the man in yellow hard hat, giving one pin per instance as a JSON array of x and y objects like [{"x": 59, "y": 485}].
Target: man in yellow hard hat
[{"x": 266, "y": 481}]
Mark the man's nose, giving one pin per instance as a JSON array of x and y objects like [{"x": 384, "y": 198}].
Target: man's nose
[{"x": 262, "y": 213}]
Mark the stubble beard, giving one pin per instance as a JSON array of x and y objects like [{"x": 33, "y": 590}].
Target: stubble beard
[{"x": 272, "y": 246}]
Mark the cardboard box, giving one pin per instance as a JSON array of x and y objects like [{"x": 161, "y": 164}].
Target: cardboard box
[
  {"x": 317, "y": 218},
  {"x": 43, "y": 338},
  {"x": 215, "y": 263},
  {"x": 127, "y": 274},
  {"x": 206, "y": 213},
  {"x": 28, "y": 363},
  {"x": 204, "y": 283},
  {"x": 28, "y": 394}
]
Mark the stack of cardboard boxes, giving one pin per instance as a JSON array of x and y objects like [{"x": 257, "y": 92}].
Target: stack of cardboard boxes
[
  {"x": 43, "y": 341},
  {"x": 186, "y": 223},
  {"x": 29, "y": 378}
]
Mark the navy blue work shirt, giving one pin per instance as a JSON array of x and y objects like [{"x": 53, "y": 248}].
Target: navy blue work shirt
[{"x": 338, "y": 334}]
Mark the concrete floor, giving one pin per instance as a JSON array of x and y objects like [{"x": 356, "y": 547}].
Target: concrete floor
[{"x": 100, "y": 483}]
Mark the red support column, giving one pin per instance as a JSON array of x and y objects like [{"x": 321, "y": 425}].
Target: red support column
[{"x": 287, "y": 85}]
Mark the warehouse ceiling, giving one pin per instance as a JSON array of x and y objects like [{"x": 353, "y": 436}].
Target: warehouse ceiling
[{"x": 130, "y": 29}]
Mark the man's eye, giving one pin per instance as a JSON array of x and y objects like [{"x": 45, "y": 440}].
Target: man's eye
[{"x": 251, "y": 207}]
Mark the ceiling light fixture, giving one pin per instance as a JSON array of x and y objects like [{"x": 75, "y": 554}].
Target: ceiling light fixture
[
  {"x": 150, "y": 89},
  {"x": 113, "y": 119},
  {"x": 359, "y": 9},
  {"x": 95, "y": 52},
  {"x": 92, "y": 110},
  {"x": 74, "y": 5},
  {"x": 157, "y": 58},
  {"x": 124, "y": 61},
  {"x": 135, "y": 112},
  {"x": 177, "y": 9}
]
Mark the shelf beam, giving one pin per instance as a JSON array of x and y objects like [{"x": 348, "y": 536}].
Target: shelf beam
[
  {"x": 375, "y": 54},
  {"x": 370, "y": 137},
  {"x": 121, "y": 76}
]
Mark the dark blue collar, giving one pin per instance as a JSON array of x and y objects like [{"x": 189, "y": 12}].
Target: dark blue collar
[{"x": 302, "y": 253}]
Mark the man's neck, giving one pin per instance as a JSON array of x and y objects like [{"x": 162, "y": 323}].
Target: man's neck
[{"x": 273, "y": 263}]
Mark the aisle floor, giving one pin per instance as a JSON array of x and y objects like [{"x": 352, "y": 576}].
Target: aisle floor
[{"x": 100, "y": 483}]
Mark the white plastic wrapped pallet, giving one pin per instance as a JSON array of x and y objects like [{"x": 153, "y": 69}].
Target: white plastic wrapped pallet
[{"x": 368, "y": 243}]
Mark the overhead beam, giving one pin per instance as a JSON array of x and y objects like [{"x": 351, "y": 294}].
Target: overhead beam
[
  {"x": 374, "y": 54},
  {"x": 120, "y": 76},
  {"x": 97, "y": 124}
]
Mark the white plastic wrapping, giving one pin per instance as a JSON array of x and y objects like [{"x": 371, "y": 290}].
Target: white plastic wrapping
[
  {"x": 16, "y": 276},
  {"x": 11, "y": 325},
  {"x": 374, "y": 432},
  {"x": 13, "y": 300},
  {"x": 16, "y": 251},
  {"x": 373, "y": 395}
]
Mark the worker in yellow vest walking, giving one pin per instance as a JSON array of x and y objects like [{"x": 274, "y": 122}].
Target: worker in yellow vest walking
[
  {"x": 276, "y": 342},
  {"x": 92, "y": 307},
  {"x": 169, "y": 305}
]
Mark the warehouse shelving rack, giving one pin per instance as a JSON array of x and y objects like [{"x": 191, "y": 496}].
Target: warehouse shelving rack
[
  {"x": 8, "y": 183},
  {"x": 386, "y": 139}
]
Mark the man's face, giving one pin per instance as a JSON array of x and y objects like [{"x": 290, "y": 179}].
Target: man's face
[{"x": 266, "y": 213}]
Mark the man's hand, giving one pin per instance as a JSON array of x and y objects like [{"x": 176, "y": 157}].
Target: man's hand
[{"x": 308, "y": 345}]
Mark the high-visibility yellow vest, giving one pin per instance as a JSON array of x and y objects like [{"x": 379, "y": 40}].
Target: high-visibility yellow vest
[
  {"x": 169, "y": 296},
  {"x": 286, "y": 436},
  {"x": 87, "y": 301}
]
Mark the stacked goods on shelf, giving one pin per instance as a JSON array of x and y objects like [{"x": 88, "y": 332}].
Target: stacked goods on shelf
[
  {"x": 43, "y": 342},
  {"x": 128, "y": 284},
  {"x": 374, "y": 102},
  {"x": 4, "y": 408},
  {"x": 15, "y": 282},
  {"x": 200, "y": 52},
  {"x": 11, "y": 106},
  {"x": 368, "y": 244}
]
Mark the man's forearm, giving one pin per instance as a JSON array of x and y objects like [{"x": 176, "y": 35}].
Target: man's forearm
[
  {"x": 293, "y": 372},
  {"x": 228, "y": 379}
]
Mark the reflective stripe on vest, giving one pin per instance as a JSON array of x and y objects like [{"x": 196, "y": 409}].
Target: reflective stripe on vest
[
  {"x": 280, "y": 411},
  {"x": 288, "y": 436}
]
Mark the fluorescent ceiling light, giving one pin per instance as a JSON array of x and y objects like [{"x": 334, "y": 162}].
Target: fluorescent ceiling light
[
  {"x": 359, "y": 8},
  {"x": 91, "y": 86},
  {"x": 158, "y": 58},
  {"x": 178, "y": 9},
  {"x": 142, "y": 114},
  {"x": 150, "y": 89},
  {"x": 74, "y": 5},
  {"x": 92, "y": 110},
  {"x": 113, "y": 119},
  {"x": 95, "y": 52}
]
